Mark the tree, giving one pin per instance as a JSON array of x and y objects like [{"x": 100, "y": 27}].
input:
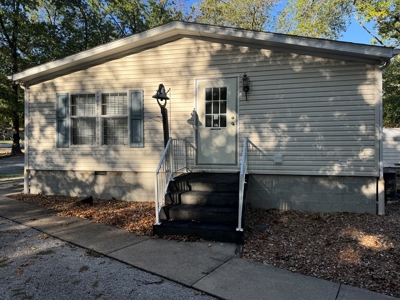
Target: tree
[
  {"x": 132, "y": 17},
  {"x": 329, "y": 18},
  {"x": 19, "y": 41},
  {"x": 245, "y": 14},
  {"x": 391, "y": 94}
]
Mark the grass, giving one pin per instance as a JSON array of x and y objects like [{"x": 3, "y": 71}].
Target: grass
[
  {"x": 9, "y": 141},
  {"x": 4, "y": 178}
]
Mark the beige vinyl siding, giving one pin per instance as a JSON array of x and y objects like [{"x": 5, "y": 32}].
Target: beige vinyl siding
[
  {"x": 391, "y": 147},
  {"x": 315, "y": 111}
]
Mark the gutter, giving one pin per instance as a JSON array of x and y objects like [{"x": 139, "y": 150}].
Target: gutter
[{"x": 386, "y": 62}]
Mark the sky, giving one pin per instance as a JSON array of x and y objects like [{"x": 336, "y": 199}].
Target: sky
[{"x": 356, "y": 34}]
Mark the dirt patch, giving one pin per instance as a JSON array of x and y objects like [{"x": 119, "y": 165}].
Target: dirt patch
[{"x": 361, "y": 250}]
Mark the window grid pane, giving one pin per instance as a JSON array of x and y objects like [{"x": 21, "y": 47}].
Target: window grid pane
[
  {"x": 114, "y": 104},
  {"x": 115, "y": 131},
  {"x": 83, "y": 105},
  {"x": 215, "y": 106},
  {"x": 83, "y": 131}
]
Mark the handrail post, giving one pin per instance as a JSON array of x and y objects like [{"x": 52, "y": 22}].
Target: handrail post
[
  {"x": 157, "y": 204},
  {"x": 243, "y": 172},
  {"x": 171, "y": 158}
]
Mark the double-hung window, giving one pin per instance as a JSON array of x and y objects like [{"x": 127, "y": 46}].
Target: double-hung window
[{"x": 100, "y": 119}]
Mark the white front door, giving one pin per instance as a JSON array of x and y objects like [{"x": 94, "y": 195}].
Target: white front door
[{"x": 217, "y": 121}]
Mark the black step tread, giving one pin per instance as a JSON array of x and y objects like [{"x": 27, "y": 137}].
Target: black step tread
[
  {"x": 195, "y": 207},
  {"x": 208, "y": 231},
  {"x": 209, "y": 177},
  {"x": 208, "y": 193},
  {"x": 229, "y": 199},
  {"x": 211, "y": 226},
  {"x": 200, "y": 213}
]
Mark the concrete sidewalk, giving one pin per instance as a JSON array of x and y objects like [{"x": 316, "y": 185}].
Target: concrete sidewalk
[{"x": 211, "y": 267}]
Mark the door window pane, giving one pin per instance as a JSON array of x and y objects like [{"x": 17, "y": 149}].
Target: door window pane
[
  {"x": 208, "y": 108},
  {"x": 215, "y": 107},
  {"x": 215, "y": 121},
  {"x": 223, "y": 93},
  {"x": 223, "y": 120},
  {"x": 208, "y": 94},
  {"x": 216, "y": 94},
  {"x": 223, "y": 107},
  {"x": 208, "y": 121}
]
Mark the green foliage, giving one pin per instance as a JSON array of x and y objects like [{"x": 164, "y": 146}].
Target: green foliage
[
  {"x": 391, "y": 94},
  {"x": 329, "y": 18},
  {"x": 389, "y": 25},
  {"x": 319, "y": 18},
  {"x": 391, "y": 111},
  {"x": 130, "y": 17},
  {"x": 391, "y": 78},
  {"x": 246, "y": 14}
]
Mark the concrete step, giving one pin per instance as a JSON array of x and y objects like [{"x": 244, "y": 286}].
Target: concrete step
[
  {"x": 209, "y": 231},
  {"x": 228, "y": 199},
  {"x": 200, "y": 213}
]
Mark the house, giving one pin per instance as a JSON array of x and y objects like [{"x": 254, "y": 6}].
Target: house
[
  {"x": 309, "y": 108},
  {"x": 391, "y": 147}
]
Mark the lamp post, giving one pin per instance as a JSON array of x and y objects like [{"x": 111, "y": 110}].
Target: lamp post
[{"x": 162, "y": 98}]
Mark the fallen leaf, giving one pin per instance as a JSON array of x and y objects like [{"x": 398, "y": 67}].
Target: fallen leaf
[
  {"x": 25, "y": 264},
  {"x": 18, "y": 272}
]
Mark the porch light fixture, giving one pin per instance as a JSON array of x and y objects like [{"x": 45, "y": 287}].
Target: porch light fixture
[
  {"x": 162, "y": 98},
  {"x": 246, "y": 84}
]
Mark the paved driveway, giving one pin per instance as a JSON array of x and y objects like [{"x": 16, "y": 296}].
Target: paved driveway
[
  {"x": 11, "y": 171},
  {"x": 37, "y": 266}
]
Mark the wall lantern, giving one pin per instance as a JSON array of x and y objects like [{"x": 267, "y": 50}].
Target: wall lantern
[
  {"x": 162, "y": 98},
  {"x": 246, "y": 84}
]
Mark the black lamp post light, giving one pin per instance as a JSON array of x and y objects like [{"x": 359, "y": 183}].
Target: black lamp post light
[
  {"x": 162, "y": 98},
  {"x": 246, "y": 84}
]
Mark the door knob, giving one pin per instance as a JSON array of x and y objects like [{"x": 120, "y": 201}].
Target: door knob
[{"x": 233, "y": 123}]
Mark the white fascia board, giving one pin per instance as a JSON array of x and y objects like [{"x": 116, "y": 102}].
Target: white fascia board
[{"x": 181, "y": 29}]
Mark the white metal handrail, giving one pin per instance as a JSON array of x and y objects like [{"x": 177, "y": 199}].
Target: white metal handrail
[
  {"x": 172, "y": 160},
  {"x": 242, "y": 181}
]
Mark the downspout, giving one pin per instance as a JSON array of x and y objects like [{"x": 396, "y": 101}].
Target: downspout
[
  {"x": 26, "y": 140},
  {"x": 381, "y": 181}
]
